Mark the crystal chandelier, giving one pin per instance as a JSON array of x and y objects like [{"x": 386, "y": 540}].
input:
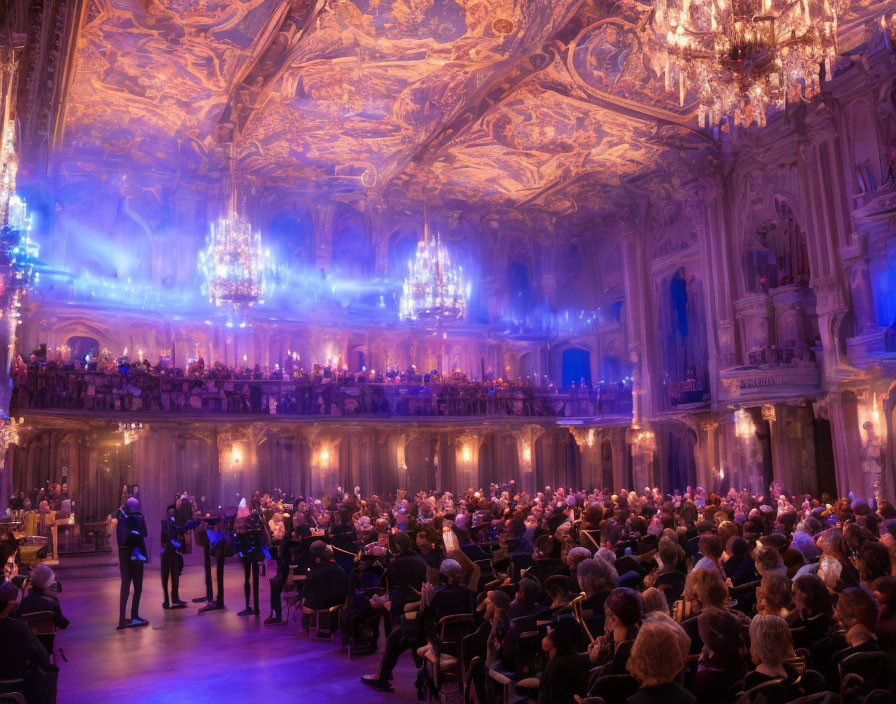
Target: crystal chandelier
[
  {"x": 232, "y": 263},
  {"x": 742, "y": 56},
  {"x": 131, "y": 432},
  {"x": 434, "y": 288}
]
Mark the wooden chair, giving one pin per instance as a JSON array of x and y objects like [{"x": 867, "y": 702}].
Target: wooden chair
[
  {"x": 292, "y": 593},
  {"x": 442, "y": 655},
  {"x": 332, "y": 616},
  {"x": 43, "y": 625}
]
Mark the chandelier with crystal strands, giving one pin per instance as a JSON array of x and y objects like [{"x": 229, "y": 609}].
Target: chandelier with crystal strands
[
  {"x": 742, "y": 56},
  {"x": 434, "y": 288},
  {"x": 233, "y": 263}
]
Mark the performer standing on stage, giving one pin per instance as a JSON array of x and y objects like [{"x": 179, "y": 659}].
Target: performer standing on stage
[
  {"x": 220, "y": 546},
  {"x": 201, "y": 539},
  {"x": 172, "y": 539},
  {"x": 251, "y": 541},
  {"x": 131, "y": 534}
]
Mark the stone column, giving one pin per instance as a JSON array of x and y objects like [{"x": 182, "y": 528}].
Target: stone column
[
  {"x": 589, "y": 442},
  {"x": 638, "y": 322},
  {"x": 466, "y": 448},
  {"x": 644, "y": 446},
  {"x": 526, "y": 438},
  {"x": 324, "y": 460}
]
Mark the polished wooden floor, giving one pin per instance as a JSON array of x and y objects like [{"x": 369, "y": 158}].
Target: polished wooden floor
[{"x": 185, "y": 657}]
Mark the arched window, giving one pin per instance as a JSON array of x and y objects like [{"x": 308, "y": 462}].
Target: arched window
[{"x": 775, "y": 253}]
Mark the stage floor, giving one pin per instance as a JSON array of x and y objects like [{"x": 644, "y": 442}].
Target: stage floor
[{"x": 185, "y": 657}]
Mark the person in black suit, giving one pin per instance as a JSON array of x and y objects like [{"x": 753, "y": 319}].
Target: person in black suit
[
  {"x": 327, "y": 583},
  {"x": 132, "y": 554},
  {"x": 39, "y": 597},
  {"x": 172, "y": 540}
]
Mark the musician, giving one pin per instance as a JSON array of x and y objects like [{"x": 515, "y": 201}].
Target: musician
[
  {"x": 251, "y": 542},
  {"x": 201, "y": 536},
  {"x": 131, "y": 534},
  {"x": 286, "y": 556},
  {"x": 220, "y": 546},
  {"x": 327, "y": 583},
  {"x": 405, "y": 576},
  {"x": 172, "y": 540}
]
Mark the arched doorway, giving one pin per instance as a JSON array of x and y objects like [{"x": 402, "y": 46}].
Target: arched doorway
[
  {"x": 82, "y": 346},
  {"x": 575, "y": 366}
]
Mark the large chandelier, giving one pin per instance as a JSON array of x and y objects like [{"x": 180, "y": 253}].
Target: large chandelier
[
  {"x": 233, "y": 263},
  {"x": 742, "y": 56},
  {"x": 434, "y": 288}
]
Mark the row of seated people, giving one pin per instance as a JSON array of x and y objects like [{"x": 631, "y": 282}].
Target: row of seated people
[{"x": 570, "y": 597}]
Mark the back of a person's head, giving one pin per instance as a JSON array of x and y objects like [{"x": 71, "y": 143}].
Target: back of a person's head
[
  {"x": 626, "y": 605},
  {"x": 596, "y": 575},
  {"x": 529, "y": 590},
  {"x": 720, "y": 631},
  {"x": 566, "y": 634},
  {"x": 655, "y": 657},
  {"x": 561, "y": 586},
  {"x": 401, "y": 542},
  {"x": 874, "y": 561},
  {"x": 767, "y": 558},
  {"x": 707, "y": 587},
  {"x": 654, "y": 601},
  {"x": 816, "y": 594},
  {"x": 857, "y": 607},
  {"x": 773, "y": 592},
  {"x": 710, "y": 546},
  {"x": 770, "y": 640},
  {"x": 320, "y": 551},
  {"x": 451, "y": 569},
  {"x": 669, "y": 552},
  {"x": 885, "y": 591}
]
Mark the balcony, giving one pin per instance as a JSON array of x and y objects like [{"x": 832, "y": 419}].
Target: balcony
[{"x": 161, "y": 395}]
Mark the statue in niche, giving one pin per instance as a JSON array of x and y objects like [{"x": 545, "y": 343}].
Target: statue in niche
[
  {"x": 871, "y": 456},
  {"x": 862, "y": 303},
  {"x": 683, "y": 329},
  {"x": 754, "y": 473}
]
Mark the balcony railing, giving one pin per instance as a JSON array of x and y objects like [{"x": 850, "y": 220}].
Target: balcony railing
[{"x": 153, "y": 394}]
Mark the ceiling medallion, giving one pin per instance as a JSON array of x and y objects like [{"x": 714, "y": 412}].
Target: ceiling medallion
[
  {"x": 742, "y": 56},
  {"x": 434, "y": 288},
  {"x": 502, "y": 26}
]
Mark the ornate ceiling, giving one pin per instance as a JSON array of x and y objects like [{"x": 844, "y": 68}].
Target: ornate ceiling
[{"x": 552, "y": 105}]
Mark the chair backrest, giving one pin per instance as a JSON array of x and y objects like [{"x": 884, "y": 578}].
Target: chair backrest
[
  {"x": 41, "y": 623},
  {"x": 614, "y": 688},
  {"x": 474, "y": 682},
  {"x": 453, "y": 628},
  {"x": 874, "y": 668},
  {"x": 475, "y": 645}
]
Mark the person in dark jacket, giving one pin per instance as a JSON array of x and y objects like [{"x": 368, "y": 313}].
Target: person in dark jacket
[
  {"x": 131, "y": 534},
  {"x": 22, "y": 657},
  {"x": 40, "y": 598},
  {"x": 566, "y": 673},
  {"x": 171, "y": 537},
  {"x": 327, "y": 583}
]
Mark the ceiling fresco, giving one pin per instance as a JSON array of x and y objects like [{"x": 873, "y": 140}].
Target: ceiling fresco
[{"x": 554, "y": 105}]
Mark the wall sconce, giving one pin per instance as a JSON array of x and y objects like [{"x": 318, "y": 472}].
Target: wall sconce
[
  {"x": 527, "y": 453},
  {"x": 324, "y": 457},
  {"x": 466, "y": 454},
  {"x": 743, "y": 424},
  {"x": 589, "y": 439},
  {"x": 236, "y": 456}
]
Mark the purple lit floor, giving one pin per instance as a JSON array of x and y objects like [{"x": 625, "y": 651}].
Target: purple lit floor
[{"x": 185, "y": 657}]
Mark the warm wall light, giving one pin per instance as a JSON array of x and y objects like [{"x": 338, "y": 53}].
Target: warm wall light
[
  {"x": 466, "y": 454},
  {"x": 236, "y": 455},
  {"x": 324, "y": 456},
  {"x": 527, "y": 453}
]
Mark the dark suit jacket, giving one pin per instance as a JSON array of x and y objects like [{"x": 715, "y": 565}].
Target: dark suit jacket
[
  {"x": 327, "y": 586},
  {"x": 36, "y": 601},
  {"x": 19, "y": 647}
]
